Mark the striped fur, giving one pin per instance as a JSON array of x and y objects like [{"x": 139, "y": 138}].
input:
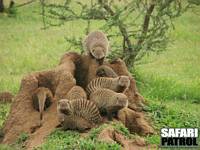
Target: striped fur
[
  {"x": 109, "y": 101},
  {"x": 118, "y": 84},
  {"x": 80, "y": 108},
  {"x": 76, "y": 92},
  {"x": 105, "y": 71},
  {"x": 73, "y": 122}
]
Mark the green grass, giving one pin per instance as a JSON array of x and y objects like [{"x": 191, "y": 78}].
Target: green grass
[
  {"x": 72, "y": 140},
  {"x": 169, "y": 81}
]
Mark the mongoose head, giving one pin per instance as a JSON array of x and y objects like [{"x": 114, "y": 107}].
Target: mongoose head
[
  {"x": 105, "y": 71},
  {"x": 101, "y": 72},
  {"x": 121, "y": 100},
  {"x": 124, "y": 81},
  {"x": 64, "y": 106},
  {"x": 98, "y": 51}
]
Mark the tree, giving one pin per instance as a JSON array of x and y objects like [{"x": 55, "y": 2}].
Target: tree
[{"x": 135, "y": 27}]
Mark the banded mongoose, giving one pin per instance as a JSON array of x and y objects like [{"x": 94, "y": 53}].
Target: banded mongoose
[
  {"x": 72, "y": 112},
  {"x": 109, "y": 101},
  {"x": 96, "y": 45},
  {"x": 118, "y": 84},
  {"x": 105, "y": 71},
  {"x": 6, "y": 97},
  {"x": 76, "y": 92},
  {"x": 42, "y": 99}
]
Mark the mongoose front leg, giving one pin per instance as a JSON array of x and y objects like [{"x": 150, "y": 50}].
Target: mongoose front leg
[{"x": 109, "y": 114}]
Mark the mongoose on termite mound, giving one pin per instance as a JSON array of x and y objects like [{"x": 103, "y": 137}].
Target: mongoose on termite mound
[
  {"x": 42, "y": 99},
  {"x": 76, "y": 92},
  {"x": 109, "y": 101},
  {"x": 105, "y": 71},
  {"x": 118, "y": 84},
  {"x": 6, "y": 97},
  {"x": 77, "y": 113},
  {"x": 96, "y": 45}
]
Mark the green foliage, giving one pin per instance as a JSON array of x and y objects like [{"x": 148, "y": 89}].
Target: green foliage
[
  {"x": 118, "y": 126},
  {"x": 153, "y": 139},
  {"x": 12, "y": 12},
  {"x": 72, "y": 140},
  {"x": 135, "y": 27},
  {"x": 95, "y": 131},
  {"x": 4, "y": 110},
  {"x": 169, "y": 117},
  {"x": 167, "y": 88},
  {"x": 174, "y": 75},
  {"x": 196, "y": 2},
  {"x": 22, "y": 138},
  {"x": 6, "y": 147}
]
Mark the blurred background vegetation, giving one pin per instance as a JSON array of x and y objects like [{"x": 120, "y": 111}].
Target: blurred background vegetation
[{"x": 169, "y": 80}]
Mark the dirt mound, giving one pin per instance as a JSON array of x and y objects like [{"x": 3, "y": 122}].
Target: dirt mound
[
  {"x": 110, "y": 135},
  {"x": 24, "y": 118},
  {"x": 135, "y": 121}
]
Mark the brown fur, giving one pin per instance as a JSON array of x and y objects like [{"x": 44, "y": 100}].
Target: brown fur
[
  {"x": 65, "y": 83},
  {"x": 76, "y": 92},
  {"x": 6, "y": 97},
  {"x": 42, "y": 99},
  {"x": 86, "y": 70}
]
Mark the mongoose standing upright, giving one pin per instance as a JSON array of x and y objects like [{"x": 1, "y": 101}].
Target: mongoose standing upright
[{"x": 96, "y": 45}]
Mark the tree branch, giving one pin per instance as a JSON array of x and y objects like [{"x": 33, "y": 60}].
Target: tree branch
[
  {"x": 120, "y": 25},
  {"x": 146, "y": 22},
  {"x": 29, "y": 2}
]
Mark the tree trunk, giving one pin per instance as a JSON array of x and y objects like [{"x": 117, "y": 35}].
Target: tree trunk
[{"x": 1, "y": 6}]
